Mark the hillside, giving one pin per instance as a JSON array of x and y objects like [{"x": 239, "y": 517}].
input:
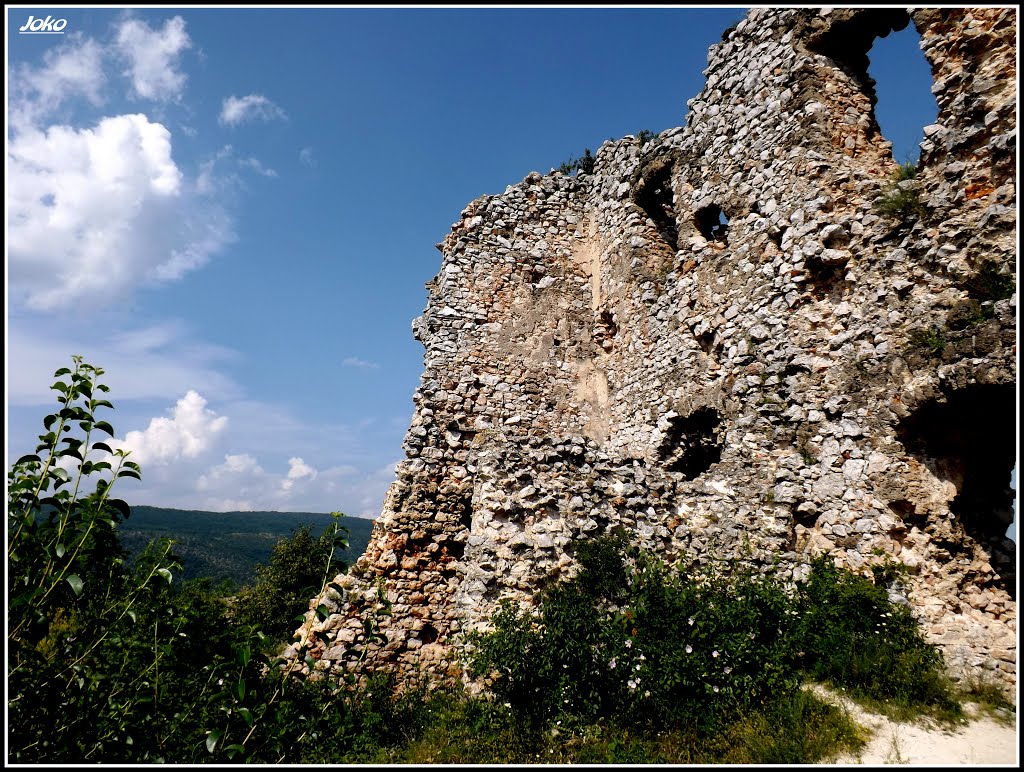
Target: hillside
[{"x": 228, "y": 545}]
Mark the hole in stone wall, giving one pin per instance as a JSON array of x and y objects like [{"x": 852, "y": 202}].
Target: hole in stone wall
[
  {"x": 605, "y": 329},
  {"x": 692, "y": 443},
  {"x": 712, "y": 223},
  {"x": 848, "y": 41},
  {"x": 826, "y": 280},
  {"x": 427, "y": 634},
  {"x": 908, "y": 513},
  {"x": 655, "y": 197},
  {"x": 901, "y": 98},
  {"x": 970, "y": 440},
  {"x": 903, "y": 82}
]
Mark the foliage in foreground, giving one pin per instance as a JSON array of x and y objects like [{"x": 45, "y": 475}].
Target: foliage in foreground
[
  {"x": 641, "y": 645},
  {"x": 299, "y": 567},
  {"x": 114, "y": 661}
]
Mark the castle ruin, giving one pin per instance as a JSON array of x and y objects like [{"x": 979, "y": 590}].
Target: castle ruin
[{"x": 717, "y": 342}]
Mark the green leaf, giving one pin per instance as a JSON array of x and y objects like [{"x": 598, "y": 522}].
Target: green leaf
[
  {"x": 62, "y": 371},
  {"x": 212, "y": 739},
  {"x": 243, "y": 653},
  {"x": 103, "y": 426},
  {"x": 165, "y": 574},
  {"x": 132, "y": 616},
  {"x": 121, "y": 506},
  {"x": 60, "y": 550},
  {"x": 75, "y": 582},
  {"x": 129, "y": 473},
  {"x": 322, "y": 612},
  {"x": 247, "y": 715},
  {"x": 234, "y": 750},
  {"x": 240, "y": 689},
  {"x": 102, "y": 446},
  {"x": 60, "y": 386},
  {"x": 27, "y": 459}
]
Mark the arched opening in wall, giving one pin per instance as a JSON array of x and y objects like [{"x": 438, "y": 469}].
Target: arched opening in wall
[
  {"x": 968, "y": 440},
  {"x": 712, "y": 223},
  {"x": 903, "y": 82},
  {"x": 692, "y": 443},
  {"x": 847, "y": 42},
  {"x": 654, "y": 195}
]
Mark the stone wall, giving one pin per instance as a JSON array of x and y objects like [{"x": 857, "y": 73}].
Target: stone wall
[{"x": 716, "y": 342}]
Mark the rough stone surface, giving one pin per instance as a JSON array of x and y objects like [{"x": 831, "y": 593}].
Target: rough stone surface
[{"x": 715, "y": 341}]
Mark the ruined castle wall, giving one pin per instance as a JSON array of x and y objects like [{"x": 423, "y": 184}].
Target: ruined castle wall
[{"x": 715, "y": 342}]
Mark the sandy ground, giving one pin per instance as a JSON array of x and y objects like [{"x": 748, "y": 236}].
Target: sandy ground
[{"x": 981, "y": 742}]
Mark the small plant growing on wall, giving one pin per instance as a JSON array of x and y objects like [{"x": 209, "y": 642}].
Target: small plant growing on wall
[
  {"x": 900, "y": 200},
  {"x": 932, "y": 340},
  {"x": 584, "y": 164}
]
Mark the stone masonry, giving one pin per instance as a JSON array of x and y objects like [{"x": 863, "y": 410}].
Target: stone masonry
[{"x": 716, "y": 342}]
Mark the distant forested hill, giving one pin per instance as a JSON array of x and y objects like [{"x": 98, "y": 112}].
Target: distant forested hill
[{"x": 228, "y": 545}]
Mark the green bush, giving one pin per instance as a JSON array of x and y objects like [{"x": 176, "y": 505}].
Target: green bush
[
  {"x": 643, "y": 645},
  {"x": 647, "y": 645},
  {"x": 849, "y": 633},
  {"x": 110, "y": 661},
  {"x": 584, "y": 163},
  {"x": 280, "y": 596}
]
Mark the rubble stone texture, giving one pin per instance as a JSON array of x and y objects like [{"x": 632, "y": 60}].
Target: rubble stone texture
[{"x": 717, "y": 343}]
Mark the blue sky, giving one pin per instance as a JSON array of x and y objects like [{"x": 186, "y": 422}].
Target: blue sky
[{"x": 234, "y": 211}]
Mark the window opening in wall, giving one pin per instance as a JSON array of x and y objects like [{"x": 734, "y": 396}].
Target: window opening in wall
[
  {"x": 712, "y": 223},
  {"x": 655, "y": 197},
  {"x": 903, "y": 83},
  {"x": 693, "y": 443}
]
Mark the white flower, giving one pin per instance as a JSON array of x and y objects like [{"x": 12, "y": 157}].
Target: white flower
[
  {"x": 632, "y": 684},
  {"x": 727, "y": 670},
  {"x": 642, "y": 658},
  {"x": 612, "y": 663},
  {"x": 714, "y": 654},
  {"x": 629, "y": 643},
  {"x": 716, "y": 690},
  {"x": 689, "y": 649},
  {"x": 690, "y": 620},
  {"x": 637, "y": 667}
]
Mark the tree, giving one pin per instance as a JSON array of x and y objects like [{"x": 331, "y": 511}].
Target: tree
[{"x": 296, "y": 573}]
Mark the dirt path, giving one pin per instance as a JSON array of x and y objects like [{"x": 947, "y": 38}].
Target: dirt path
[{"x": 982, "y": 741}]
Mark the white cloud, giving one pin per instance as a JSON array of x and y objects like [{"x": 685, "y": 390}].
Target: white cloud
[
  {"x": 153, "y": 57},
  {"x": 297, "y": 470},
  {"x": 92, "y": 213},
  {"x": 362, "y": 364},
  {"x": 306, "y": 157},
  {"x": 72, "y": 70},
  {"x": 186, "y": 435},
  {"x": 236, "y": 110},
  {"x": 256, "y": 166}
]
